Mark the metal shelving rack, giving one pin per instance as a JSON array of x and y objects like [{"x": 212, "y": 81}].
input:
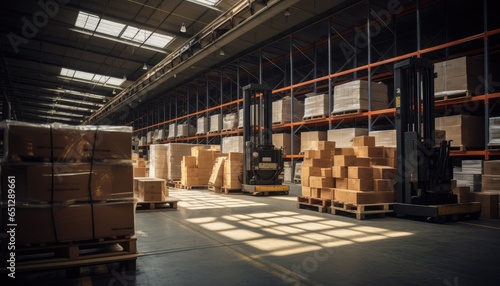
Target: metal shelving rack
[{"x": 295, "y": 66}]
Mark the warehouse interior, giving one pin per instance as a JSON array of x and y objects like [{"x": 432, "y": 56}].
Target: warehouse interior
[{"x": 124, "y": 148}]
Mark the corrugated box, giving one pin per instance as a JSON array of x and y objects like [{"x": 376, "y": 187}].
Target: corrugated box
[
  {"x": 318, "y": 154},
  {"x": 309, "y": 140},
  {"x": 359, "y": 198},
  {"x": 307, "y": 172},
  {"x": 313, "y": 162},
  {"x": 490, "y": 183},
  {"x": 315, "y": 106},
  {"x": 386, "y": 138},
  {"x": 365, "y": 151},
  {"x": 232, "y": 144},
  {"x": 384, "y": 185},
  {"x": 326, "y": 145},
  {"x": 344, "y": 160},
  {"x": 341, "y": 183},
  {"x": 306, "y": 191},
  {"x": 492, "y": 167},
  {"x": 353, "y": 96},
  {"x": 216, "y": 123},
  {"x": 327, "y": 193},
  {"x": 464, "y": 195},
  {"x": 339, "y": 172},
  {"x": 282, "y": 110},
  {"x": 363, "y": 161},
  {"x": 344, "y": 151},
  {"x": 365, "y": 185},
  {"x": 151, "y": 190},
  {"x": 384, "y": 172},
  {"x": 284, "y": 140},
  {"x": 343, "y": 137},
  {"x": 489, "y": 204},
  {"x": 139, "y": 172},
  {"x": 356, "y": 172},
  {"x": 326, "y": 172},
  {"x": 390, "y": 152},
  {"x": 201, "y": 125},
  {"x": 188, "y": 161},
  {"x": 463, "y": 130},
  {"x": 363, "y": 141},
  {"x": 321, "y": 182},
  {"x": 460, "y": 75}
]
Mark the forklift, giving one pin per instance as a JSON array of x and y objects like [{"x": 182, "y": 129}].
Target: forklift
[
  {"x": 262, "y": 162},
  {"x": 425, "y": 171}
]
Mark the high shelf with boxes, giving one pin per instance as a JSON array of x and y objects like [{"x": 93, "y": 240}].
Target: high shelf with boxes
[{"x": 307, "y": 70}]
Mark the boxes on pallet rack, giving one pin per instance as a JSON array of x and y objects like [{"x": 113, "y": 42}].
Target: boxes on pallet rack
[
  {"x": 172, "y": 130},
  {"x": 253, "y": 109},
  {"x": 232, "y": 144},
  {"x": 230, "y": 121},
  {"x": 284, "y": 140},
  {"x": 89, "y": 183},
  {"x": 315, "y": 106},
  {"x": 465, "y": 131},
  {"x": 202, "y": 125},
  {"x": 343, "y": 137},
  {"x": 457, "y": 76},
  {"x": 215, "y": 123},
  {"x": 353, "y": 97},
  {"x": 282, "y": 110},
  {"x": 185, "y": 130},
  {"x": 309, "y": 140},
  {"x": 494, "y": 139}
]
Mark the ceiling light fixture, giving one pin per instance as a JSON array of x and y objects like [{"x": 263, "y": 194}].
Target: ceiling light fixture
[
  {"x": 114, "y": 91},
  {"x": 287, "y": 13},
  {"x": 222, "y": 53},
  {"x": 183, "y": 28},
  {"x": 145, "y": 67},
  {"x": 125, "y": 77}
]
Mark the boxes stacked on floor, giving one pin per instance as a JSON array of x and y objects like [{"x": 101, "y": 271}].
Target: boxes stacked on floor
[
  {"x": 309, "y": 140},
  {"x": 494, "y": 140},
  {"x": 469, "y": 175},
  {"x": 165, "y": 162},
  {"x": 343, "y": 137},
  {"x": 284, "y": 140},
  {"x": 216, "y": 123},
  {"x": 315, "y": 106},
  {"x": 230, "y": 121},
  {"x": 457, "y": 76},
  {"x": 217, "y": 175},
  {"x": 66, "y": 176},
  {"x": 233, "y": 168},
  {"x": 282, "y": 110},
  {"x": 202, "y": 125},
  {"x": 489, "y": 196},
  {"x": 465, "y": 131},
  {"x": 316, "y": 174},
  {"x": 196, "y": 169},
  {"x": 353, "y": 97}
]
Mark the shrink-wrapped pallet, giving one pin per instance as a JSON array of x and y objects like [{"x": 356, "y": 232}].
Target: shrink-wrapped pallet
[
  {"x": 215, "y": 123},
  {"x": 230, "y": 121},
  {"x": 172, "y": 130},
  {"x": 232, "y": 144},
  {"x": 353, "y": 97},
  {"x": 185, "y": 130},
  {"x": 282, "y": 110},
  {"x": 201, "y": 125},
  {"x": 315, "y": 106},
  {"x": 494, "y": 140}
]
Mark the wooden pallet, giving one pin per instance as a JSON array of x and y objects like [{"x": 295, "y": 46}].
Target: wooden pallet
[
  {"x": 320, "y": 201},
  {"x": 306, "y": 118},
  {"x": 317, "y": 208},
  {"x": 458, "y": 95},
  {"x": 185, "y": 187},
  {"x": 71, "y": 256},
  {"x": 346, "y": 112},
  {"x": 229, "y": 130},
  {"x": 213, "y": 132},
  {"x": 314, "y": 204},
  {"x": 228, "y": 191},
  {"x": 173, "y": 183},
  {"x": 361, "y": 211},
  {"x": 168, "y": 203}
]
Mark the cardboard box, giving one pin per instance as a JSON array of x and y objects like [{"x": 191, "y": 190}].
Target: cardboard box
[
  {"x": 464, "y": 194},
  {"x": 326, "y": 145},
  {"x": 188, "y": 161},
  {"x": 326, "y": 172},
  {"x": 71, "y": 181},
  {"x": 491, "y": 167},
  {"x": 309, "y": 140},
  {"x": 285, "y": 140},
  {"x": 386, "y": 138},
  {"x": 315, "y": 193},
  {"x": 378, "y": 161},
  {"x": 363, "y": 141},
  {"x": 490, "y": 183},
  {"x": 139, "y": 172},
  {"x": 384, "y": 172},
  {"x": 360, "y": 198},
  {"x": 360, "y": 172},
  {"x": 151, "y": 190},
  {"x": 459, "y": 74},
  {"x": 306, "y": 191},
  {"x": 390, "y": 152},
  {"x": 343, "y": 137},
  {"x": 327, "y": 193},
  {"x": 307, "y": 172},
  {"x": 344, "y": 160},
  {"x": 366, "y": 151},
  {"x": 65, "y": 142},
  {"x": 318, "y": 154},
  {"x": 321, "y": 182},
  {"x": 489, "y": 204},
  {"x": 312, "y": 162},
  {"x": 363, "y": 185},
  {"x": 339, "y": 172},
  {"x": 384, "y": 185},
  {"x": 363, "y": 161},
  {"x": 341, "y": 183},
  {"x": 463, "y": 130},
  {"x": 35, "y": 223},
  {"x": 345, "y": 151},
  {"x": 217, "y": 174}
]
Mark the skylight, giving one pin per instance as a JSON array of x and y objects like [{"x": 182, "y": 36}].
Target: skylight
[
  {"x": 92, "y": 77},
  {"x": 205, "y": 2},
  {"x": 94, "y": 23}
]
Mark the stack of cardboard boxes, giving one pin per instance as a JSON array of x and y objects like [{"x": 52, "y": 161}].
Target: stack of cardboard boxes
[
  {"x": 317, "y": 178},
  {"x": 233, "y": 168},
  {"x": 282, "y": 110},
  {"x": 202, "y": 125},
  {"x": 196, "y": 169},
  {"x": 465, "y": 131},
  {"x": 458, "y": 76},
  {"x": 71, "y": 183},
  {"x": 315, "y": 106},
  {"x": 353, "y": 96}
]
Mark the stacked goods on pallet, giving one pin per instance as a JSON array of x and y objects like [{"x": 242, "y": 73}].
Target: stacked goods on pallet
[
  {"x": 150, "y": 189},
  {"x": 457, "y": 76},
  {"x": 185, "y": 130},
  {"x": 216, "y": 123},
  {"x": 316, "y": 175},
  {"x": 284, "y": 140},
  {"x": 196, "y": 169},
  {"x": 315, "y": 106},
  {"x": 201, "y": 125},
  {"x": 232, "y": 144},
  {"x": 491, "y": 176},
  {"x": 309, "y": 140},
  {"x": 387, "y": 138},
  {"x": 494, "y": 140},
  {"x": 160, "y": 136},
  {"x": 149, "y": 137},
  {"x": 343, "y": 137},
  {"x": 297, "y": 176},
  {"x": 253, "y": 111},
  {"x": 158, "y": 167},
  {"x": 363, "y": 174},
  {"x": 353, "y": 97},
  {"x": 282, "y": 110},
  {"x": 489, "y": 196},
  {"x": 233, "y": 168},
  {"x": 172, "y": 130},
  {"x": 230, "y": 121},
  {"x": 465, "y": 131},
  {"x": 165, "y": 162},
  {"x": 217, "y": 175},
  {"x": 66, "y": 176},
  {"x": 469, "y": 175}
]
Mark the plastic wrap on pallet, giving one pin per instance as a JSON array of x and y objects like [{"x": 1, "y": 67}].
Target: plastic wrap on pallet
[
  {"x": 253, "y": 109},
  {"x": 468, "y": 180},
  {"x": 494, "y": 140},
  {"x": 472, "y": 166},
  {"x": 386, "y": 138},
  {"x": 158, "y": 166},
  {"x": 26, "y": 141},
  {"x": 215, "y": 123},
  {"x": 172, "y": 130},
  {"x": 309, "y": 140},
  {"x": 230, "y": 121},
  {"x": 282, "y": 110},
  {"x": 149, "y": 137},
  {"x": 142, "y": 141},
  {"x": 315, "y": 105},
  {"x": 353, "y": 96},
  {"x": 232, "y": 144},
  {"x": 343, "y": 137},
  {"x": 185, "y": 130},
  {"x": 202, "y": 125},
  {"x": 160, "y": 136}
]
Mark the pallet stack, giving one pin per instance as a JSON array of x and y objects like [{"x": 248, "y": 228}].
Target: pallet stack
[
  {"x": 232, "y": 144},
  {"x": 315, "y": 106},
  {"x": 465, "y": 131},
  {"x": 67, "y": 176},
  {"x": 172, "y": 131},
  {"x": 310, "y": 140},
  {"x": 282, "y": 110},
  {"x": 233, "y": 168},
  {"x": 185, "y": 130},
  {"x": 352, "y": 97},
  {"x": 494, "y": 140},
  {"x": 196, "y": 169},
  {"x": 202, "y": 125},
  {"x": 457, "y": 77},
  {"x": 215, "y": 123},
  {"x": 230, "y": 121},
  {"x": 343, "y": 137}
]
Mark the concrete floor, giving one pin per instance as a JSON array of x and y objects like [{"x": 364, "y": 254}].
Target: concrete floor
[{"x": 215, "y": 239}]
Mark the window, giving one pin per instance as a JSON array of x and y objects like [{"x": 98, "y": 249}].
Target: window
[{"x": 92, "y": 77}]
